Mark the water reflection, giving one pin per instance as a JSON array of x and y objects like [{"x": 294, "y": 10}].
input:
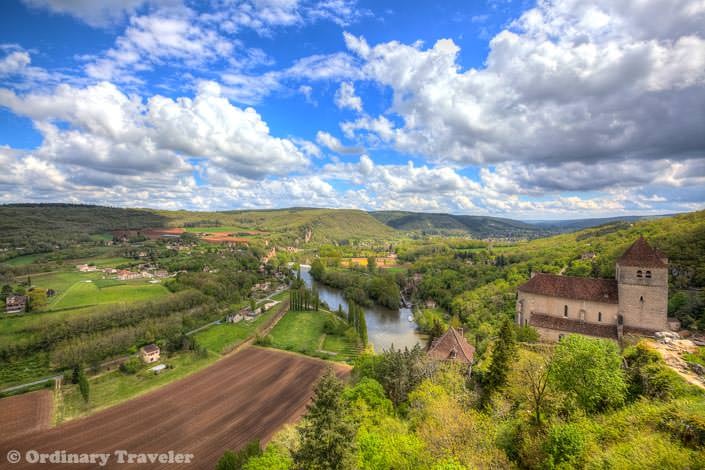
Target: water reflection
[{"x": 384, "y": 326}]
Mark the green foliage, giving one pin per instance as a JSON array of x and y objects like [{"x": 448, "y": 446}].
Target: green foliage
[
  {"x": 527, "y": 334},
  {"x": 227, "y": 461},
  {"x": 565, "y": 444},
  {"x": 399, "y": 371},
  {"x": 326, "y": 432},
  {"x": 84, "y": 386},
  {"x": 503, "y": 353},
  {"x": 648, "y": 375},
  {"x": 590, "y": 370},
  {"x": 274, "y": 457},
  {"x": 131, "y": 366}
]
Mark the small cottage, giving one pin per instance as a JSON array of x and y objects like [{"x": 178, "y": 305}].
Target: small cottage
[{"x": 149, "y": 353}]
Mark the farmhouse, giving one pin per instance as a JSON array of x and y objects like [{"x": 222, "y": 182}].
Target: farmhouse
[
  {"x": 86, "y": 268},
  {"x": 15, "y": 303},
  {"x": 634, "y": 302},
  {"x": 125, "y": 275},
  {"x": 452, "y": 346},
  {"x": 149, "y": 353}
]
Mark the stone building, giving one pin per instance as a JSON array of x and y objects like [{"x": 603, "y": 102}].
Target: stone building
[{"x": 636, "y": 301}]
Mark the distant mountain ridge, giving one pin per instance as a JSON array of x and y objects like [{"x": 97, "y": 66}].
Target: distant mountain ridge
[{"x": 491, "y": 227}]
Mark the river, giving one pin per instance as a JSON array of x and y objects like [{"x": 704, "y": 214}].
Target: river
[{"x": 385, "y": 327}]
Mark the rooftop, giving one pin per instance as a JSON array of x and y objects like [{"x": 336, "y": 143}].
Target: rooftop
[
  {"x": 452, "y": 345},
  {"x": 569, "y": 287},
  {"x": 643, "y": 255}
]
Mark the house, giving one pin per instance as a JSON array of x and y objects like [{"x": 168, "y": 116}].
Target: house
[
  {"x": 234, "y": 318},
  {"x": 16, "y": 303},
  {"x": 636, "y": 301},
  {"x": 149, "y": 353},
  {"x": 125, "y": 275},
  {"x": 452, "y": 346},
  {"x": 86, "y": 268}
]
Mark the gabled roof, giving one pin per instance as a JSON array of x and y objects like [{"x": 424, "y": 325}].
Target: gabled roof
[
  {"x": 150, "y": 348},
  {"x": 569, "y": 287},
  {"x": 641, "y": 254},
  {"x": 452, "y": 345}
]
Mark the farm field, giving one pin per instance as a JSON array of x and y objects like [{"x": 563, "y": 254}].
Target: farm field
[
  {"x": 242, "y": 397},
  {"x": 27, "y": 413},
  {"x": 304, "y": 332},
  {"x": 83, "y": 294},
  {"x": 115, "y": 387}
]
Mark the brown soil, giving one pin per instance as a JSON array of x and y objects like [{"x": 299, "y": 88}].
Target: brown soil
[
  {"x": 27, "y": 413},
  {"x": 245, "y": 396}
]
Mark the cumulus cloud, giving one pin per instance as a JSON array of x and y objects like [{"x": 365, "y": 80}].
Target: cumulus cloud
[
  {"x": 345, "y": 97},
  {"x": 334, "y": 145},
  {"x": 95, "y": 13},
  {"x": 568, "y": 82},
  {"x": 112, "y": 132}
]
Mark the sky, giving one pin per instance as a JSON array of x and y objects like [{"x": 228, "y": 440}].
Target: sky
[{"x": 549, "y": 109}]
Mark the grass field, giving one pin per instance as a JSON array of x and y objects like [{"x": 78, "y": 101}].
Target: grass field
[
  {"x": 303, "y": 332},
  {"x": 27, "y": 369},
  {"x": 214, "y": 229},
  {"x": 91, "y": 293},
  {"x": 222, "y": 338},
  {"x": 23, "y": 260},
  {"x": 115, "y": 387}
]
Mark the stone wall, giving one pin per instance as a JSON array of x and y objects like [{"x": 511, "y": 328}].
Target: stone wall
[{"x": 555, "y": 306}]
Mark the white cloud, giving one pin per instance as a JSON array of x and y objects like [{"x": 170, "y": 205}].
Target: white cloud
[
  {"x": 172, "y": 35},
  {"x": 345, "y": 97},
  {"x": 333, "y": 144},
  {"x": 93, "y": 12},
  {"x": 569, "y": 81},
  {"x": 115, "y": 133}
]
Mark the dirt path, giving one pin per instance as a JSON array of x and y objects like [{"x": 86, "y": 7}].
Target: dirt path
[
  {"x": 247, "y": 395},
  {"x": 671, "y": 353}
]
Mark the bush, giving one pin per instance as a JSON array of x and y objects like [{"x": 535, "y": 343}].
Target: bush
[
  {"x": 131, "y": 366},
  {"x": 564, "y": 445},
  {"x": 264, "y": 340}
]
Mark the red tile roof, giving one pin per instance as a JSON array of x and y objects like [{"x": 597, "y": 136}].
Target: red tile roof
[
  {"x": 572, "y": 326},
  {"x": 150, "y": 348},
  {"x": 577, "y": 288},
  {"x": 452, "y": 346},
  {"x": 643, "y": 255}
]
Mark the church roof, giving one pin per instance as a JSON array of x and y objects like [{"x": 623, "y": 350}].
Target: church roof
[
  {"x": 641, "y": 254},
  {"x": 572, "y": 326},
  {"x": 452, "y": 345},
  {"x": 577, "y": 288}
]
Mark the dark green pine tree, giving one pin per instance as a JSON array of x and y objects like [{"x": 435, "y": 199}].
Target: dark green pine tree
[
  {"x": 327, "y": 431},
  {"x": 503, "y": 353}
]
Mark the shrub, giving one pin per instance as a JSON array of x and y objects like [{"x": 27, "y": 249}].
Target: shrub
[
  {"x": 564, "y": 445},
  {"x": 131, "y": 366}
]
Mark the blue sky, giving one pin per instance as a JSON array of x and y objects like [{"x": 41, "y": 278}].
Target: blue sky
[{"x": 555, "y": 109}]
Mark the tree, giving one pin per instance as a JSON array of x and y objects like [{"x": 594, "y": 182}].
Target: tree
[
  {"x": 591, "y": 370},
  {"x": 37, "y": 299},
  {"x": 371, "y": 264},
  {"x": 84, "y": 386},
  {"x": 76, "y": 375},
  {"x": 327, "y": 432},
  {"x": 531, "y": 377},
  {"x": 227, "y": 461},
  {"x": 503, "y": 353}
]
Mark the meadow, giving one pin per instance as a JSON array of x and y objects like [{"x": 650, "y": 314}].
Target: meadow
[{"x": 304, "y": 332}]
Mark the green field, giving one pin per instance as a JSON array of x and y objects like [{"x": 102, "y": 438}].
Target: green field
[
  {"x": 114, "y": 387},
  {"x": 303, "y": 332},
  {"x": 23, "y": 260},
  {"x": 83, "y": 294},
  {"x": 27, "y": 369},
  {"x": 222, "y": 338}
]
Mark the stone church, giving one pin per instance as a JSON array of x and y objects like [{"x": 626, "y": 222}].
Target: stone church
[{"x": 636, "y": 301}]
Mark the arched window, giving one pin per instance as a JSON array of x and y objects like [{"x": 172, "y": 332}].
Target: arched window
[
  {"x": 599, "y": 316},
  {"x": 565, "y": 310},
  {"x": 648, "y": 274},
  {"x": 638, "y": 273},
  {"x": 641, "y": 299}
]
